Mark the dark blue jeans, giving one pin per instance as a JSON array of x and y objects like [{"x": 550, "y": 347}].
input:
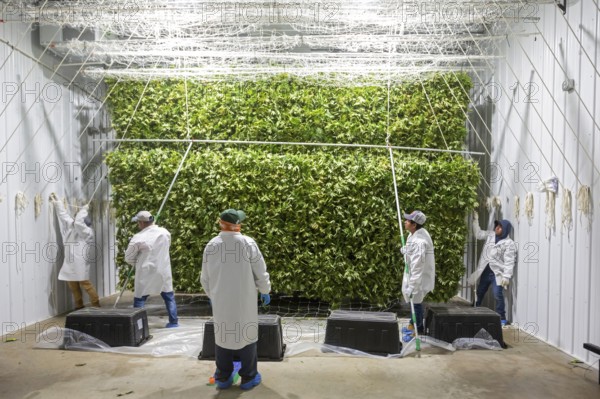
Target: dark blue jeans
[
  {"x": 224, "y": 359},
  {"x": 418, "y": 317},
  {"x": 170, "y": 304},
  {"x": 487, "y": 278}
]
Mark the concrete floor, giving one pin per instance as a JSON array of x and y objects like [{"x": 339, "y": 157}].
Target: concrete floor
[{"x": 527, "y": 369}]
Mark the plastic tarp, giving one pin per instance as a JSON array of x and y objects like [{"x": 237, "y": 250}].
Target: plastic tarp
[
  {"x": 482, "y": 340},
  {"x": 302, "y": 336}
]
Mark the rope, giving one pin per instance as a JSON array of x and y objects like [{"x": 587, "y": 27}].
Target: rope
[
  {"x": 584, "y": 204},
  {"x": 516, "y": 209},
  {"x": 550, "y": 212},
  {"x": 21, "y": 203},
  {"x": 37, "y": 202},
  {"x": 376, "y": 146},
  {"x": 184, "y": 156},
  {"x": 529, "y": 207},
  {"x": 567, "y": 216}
]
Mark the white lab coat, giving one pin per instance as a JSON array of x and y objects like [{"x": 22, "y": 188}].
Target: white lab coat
[
  {"x": 148, "y": 251},
  {"x": 79, "y": 244},
  {"x": 233, "y": 269},
  {"x": 420, "y": 279},
  {"x": 500, "y": 256}
]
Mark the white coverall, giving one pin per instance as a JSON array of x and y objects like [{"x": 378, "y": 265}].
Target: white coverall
[
  {"x": 420, "y": 280},
  {"x": 79, "y": 244},
  {"x": 148, "y": 251},
  {"x": 233, "y": 269},
  {"x": 500, "y": 256}
]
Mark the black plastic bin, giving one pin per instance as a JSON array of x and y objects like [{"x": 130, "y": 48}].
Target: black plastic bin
[
  {"x": 372, "y": 332},
  {"x": 270, "y": 345},
  {"x": 115, "y": 327},
  {"x": 448, "y": 323}
]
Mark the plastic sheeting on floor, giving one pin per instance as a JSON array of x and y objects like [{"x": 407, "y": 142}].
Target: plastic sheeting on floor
[{"x": 301, "y": 336}]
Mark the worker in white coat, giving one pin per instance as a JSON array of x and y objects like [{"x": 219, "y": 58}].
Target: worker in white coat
[
  {"x": 496, "y": 263},
  {"x": 148, "y": 252},
  {"x": 233, "y": 270},
  {"x": 79, "y": 245},
  {"x": 419, "y": 254}
]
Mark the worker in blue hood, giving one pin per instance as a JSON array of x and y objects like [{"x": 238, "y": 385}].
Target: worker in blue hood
[
  {"x": 496, "y": 263},
  {"x": 503, "y": 231}
]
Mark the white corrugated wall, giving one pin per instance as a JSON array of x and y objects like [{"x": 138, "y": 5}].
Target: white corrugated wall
[
  {"x": 540, "y": 131},
  {"x": 43, "y": 150}
]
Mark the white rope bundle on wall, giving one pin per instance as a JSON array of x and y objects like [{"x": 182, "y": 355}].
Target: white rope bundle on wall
[
  {"x": 493, "y": 202},
  {"x": 550, "y": 187},
  {"x": 37, "y": 202},
  {"x": 550, "y": 212},
  {"x": 529, "y": 207},
  {"x": 21, "y": 203},
  {"x": 567, "y": 216},
  {"x": 584, "y": 203}
]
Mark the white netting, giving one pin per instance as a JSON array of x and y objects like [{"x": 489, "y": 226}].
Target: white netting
[{"x": 244, "y": 39}]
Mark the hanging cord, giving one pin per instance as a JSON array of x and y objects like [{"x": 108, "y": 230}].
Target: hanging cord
[
  {"x": 398, "y": 212},
  {"x": 584, "y": 204},
  {"x": 38, "y": 202},
  {"x": 567, "y": 216},
  {"x": 517, "y": 208},
  {"x": 387, "y": 142},
  {"x": 550, "y": 212},
  {"x": 21, "y": 203},
  {"x": 131, "y": 268},
  {"x": 494, "y": 202},
  {"x": 52, "y": 234},
  {"x": 126, "y": 130},
  {"x": 529, "y": 207},
  {"x": 187, "y": 117}
]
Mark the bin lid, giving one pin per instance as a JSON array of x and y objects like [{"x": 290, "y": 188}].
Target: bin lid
[{"x": 363, "y": 316}]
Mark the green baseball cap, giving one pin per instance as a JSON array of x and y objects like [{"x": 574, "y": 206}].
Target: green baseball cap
[{"x": 233, "y": 216}]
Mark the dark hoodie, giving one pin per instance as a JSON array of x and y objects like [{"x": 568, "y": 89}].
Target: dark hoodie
[{"x": 506, "y": 228}]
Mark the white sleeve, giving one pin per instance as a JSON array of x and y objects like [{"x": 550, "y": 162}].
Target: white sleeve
[
  {"x": 131, "y": 253},
  {"x": 80, "y": 225},
  {"x": 509, "y": 260},
  {"x": 478, "y": 233},
  {"x": 259, "y": 268},
  {"x": 64, "y": 218},
  {"x": 416, "y": 251},
  {"x": 204, "y": 280}
]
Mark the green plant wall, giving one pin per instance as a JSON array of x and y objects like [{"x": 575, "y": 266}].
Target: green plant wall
[{"x": 325, "y": 219}]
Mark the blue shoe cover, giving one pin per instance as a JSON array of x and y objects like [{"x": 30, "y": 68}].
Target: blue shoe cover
[
  {"x": 225, "y": 384},
  {"x": 252, "y": 383}
]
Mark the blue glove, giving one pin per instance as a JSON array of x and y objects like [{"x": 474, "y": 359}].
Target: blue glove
[{"x": 265, "y": 298}]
